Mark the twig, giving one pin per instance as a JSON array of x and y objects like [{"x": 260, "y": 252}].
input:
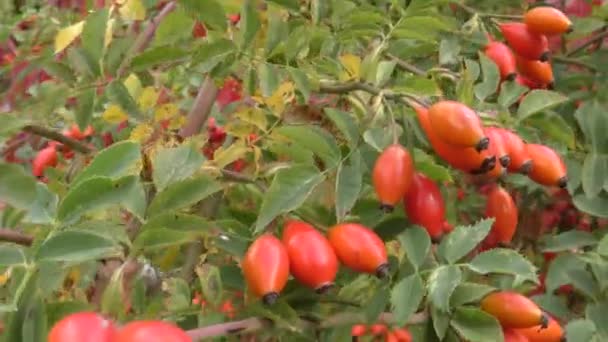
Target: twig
[
  {"x": 572, "y": 61},
  {"x": 201, "y": 108},
  {"x": 144, "y": 38},
  {"x": 236, "y": 177},
  {"x": 343, "y": 88},
  {"x": 251, "y": 325},
  {"x": 406, "y": 66},
  {"x": 10, "y": 235},
  {"x": 471, "y": 10},
  {"x": 56, "y": 136},
  {"x": 598, "y": 37}
]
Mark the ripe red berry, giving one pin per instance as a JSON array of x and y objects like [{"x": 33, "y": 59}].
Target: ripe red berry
[
  {"x": 402, "y": 335},
  {"x": 45, "y": 158},
  {"x": 199, "y": 30},
  {"x": 536, "y": 71},
  {"x": 83, "y": 326},
  {"x": 512, "y": 335},
  {"x": 378, "y": 329},
  {"x": 359, "y": 248},
  {"x": 513, "y": 310},
  {"x": 547, "y": 20},
  {"x": 502, "y": 55},
  {"x": 266, "y": 267},
  {"x": 312, "y": 260},
  {"x": 518, "y": 154},
  {"x": 498, "y": 144},
  {"x": 392, "y": 175},
  {"x": 502, "y": 208},
  {"x": 424, "y": 205},
  {"x": 358, "y": 330},
  {"x": 549, "y": 169},
  {"x": 525, "y": 42},
  {"x": 151, "y": 331},
  {"x": 456, "y": 124},
  {"x": 552, "y": 333}
]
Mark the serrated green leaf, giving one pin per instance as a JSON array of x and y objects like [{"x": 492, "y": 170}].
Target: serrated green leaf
[
  {"x": 155, "y": 239},
  {"x": 595, "y": 168},
  {"x": 209, "y": 12},
  {"x": 290, "y": 4},
  {"x": 425, "y": 28},
  {"x": 315, "y": 139},
  {"x": 596, "y": 206},
  {"x": 93, "y": 33},
  {"x": 175, "y": 164},
  {"x": 176, "y": 26},
  {"x": 82, "y": 62},
  {"x": 476, "y": 326},
  {"x": 572, "y": 239},
  {"x": 490, "y": 80},
  {"x": 210, "y": 54},
  {"x": 157, "y": 56},
  {"x": 593, "y": 122},
  {"x": 118, "y": 160},
  {"x": 510, "y": 92},
  {"x": 467, "y": 293},
  {"x": 12, "y": 255},
  {"x": 346, "y": 124},
  {"x": 301, "y": 81},
  {"x": 416, "y": 243},
  {"x": 44, "y": 209},
  {"x": 441, "y": 321},
  {"x": 250, "y": 23},
  {"x": 537, "y": 101},
  {"x": 602, "y": 247},
  {"x": 179, "y": 221},
  {"x": 506, "y": 261},
  {"x": 269, "y": 79},
  {"x": 288, "y": 191},
  {"x": 118, "y": 93},
  {"x": 10, "y": 124},
  {"x": 377, "y": 303},
  {"x": 598, "y": 314},
  {"x": 378, "y": 138},
  {"x": 406, "y": 295},
  {"x": 183, "y": 193},
  {"x": 77, "y": 246},
  {"x": 441, "y": 284},
  {"x": 60, "y": 71},
  {"x": 559, "y": 270},
  {"x": 463, "y": 239},
  {"x": 349, "y": 180},
  {"x": 84, "y": 110},
  {"x": 580, "y": 330},
  {"x": 16, "y": 187}
]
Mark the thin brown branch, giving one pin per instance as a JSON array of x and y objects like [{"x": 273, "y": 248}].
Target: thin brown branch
[
  {"x": 406, "y": 66},
  {"x": 237, "y": 177},
  {"x": 11, "y": 235},
  {"x": 145, "y": 37},
  {"x": 57, "y": 136},
  {"x": 597, "y": 38},
  {"x": 343, "y": 88},
  {"x": 199, "y": 113}
]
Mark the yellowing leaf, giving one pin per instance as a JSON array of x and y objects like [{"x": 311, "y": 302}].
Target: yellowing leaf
[
  {"x": 177, "y": 122},
  {"x": 223, "y": 157},
  {"x": 133, "y": 85},
  {"x": 257, "y": 156},
  {"x": 282, "y": 96},
  {"x": 166, "y": 111},
  {"x": 67, "y": 35},
  {"x": 133, "y": 10},
  {"x": 254, "y": 116},
  {"x": 5, "y": 277},
  {"x": 238, "y": 129},
  {"x": 141, "y": 132},
  {"x": 147, "y": 99},
  {"x": 109, "y": 30},
  {"x": 114, "y": 114},
  {"x": 352, "y": 66}
]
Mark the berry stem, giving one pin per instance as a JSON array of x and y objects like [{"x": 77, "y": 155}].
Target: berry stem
[{"x": 57, "y": 136}]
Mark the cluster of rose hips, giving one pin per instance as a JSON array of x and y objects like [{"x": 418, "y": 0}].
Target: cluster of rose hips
[
  {"x": 381, "y": 331},
  {"x": 311, "y": 258},
  {"x": 91, "y": 326}
]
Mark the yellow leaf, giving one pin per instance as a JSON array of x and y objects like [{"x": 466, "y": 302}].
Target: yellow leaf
[
  {"x": 254, "y": 116},
  {"x": 114, "y": 114},
  {"x": 282, "y": 96},
  {"x": 133, "y": 85},
  {"x": 141, "y": 132},
  {"x": 222, "y": 157},
  {"x": 4, "y": 277},
  {"x": 177, "y": 122},
  {"x": 109, "y": 30},
  {"x": 67, "y": 35},
  {"x": 352, "y": 66},
  {"x": 166, "y": 111},
  {"x": 238, "y": 129},
  {"x": 147, "y": 99},
  {"x": 133, "y": 10}
]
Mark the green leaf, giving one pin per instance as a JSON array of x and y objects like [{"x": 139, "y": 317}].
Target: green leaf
[
  {"x": 474, "y": 325},
  {"x": 418, "y": 85},
  {"x": 441, "y": 284},
  {"x": 384, "y": 72},
  {"x": 288, "y": 191},
  {"x": 209, "y": 12},
  {"x": 82, "y": 62},
  {"x": 278, "y": 32},
  {"x": 572, "y": 239},
  {"x": 44, "y": 209},
  {"x": 427, "y": 165},
  {"x": 16, "y": 187},
  {"x": 160, "y": 238},
  {"x": 377, "y": 303},
  {"x": 93, "y": 33},
  {"x": 602, "y": 247},
  {"x": 537, "y": 101},
  {"x": 174, "y": 27},
  {"x": 315, "y": 139},
  {"x": 112, "y": 303},
  {"x": 580, "y": 330},
  {"x": 388, "y": 228},
  {"x": 12, "y": 255},
  {"x": 510, "y": 92},
  {"x": 406, "y": 295},
  {"x": 178, "y": 221},
  {"x": 502, "y": 260},
  {"x": 378, "y": 138},
  {"x": 467, "y": 293},
  {"x": 269, "y": 79},
  {"x": 345, "y": 122},
  {"x": 158, "y": 55},
  {"x": 425, "y": 28},
  {"x": 554, "y": 126},
  {"x": 596, "y": 206},
  {"x": 175, "y": 164},
  {"x": 101, "y": 192},
  {"x": 183, "y": 194},
  {"x": 595, "y": 168},
  {"x": 118, "y": 93},
  {"x": 250, "y": 23},
  {"x": 84, "y": 110},
  {"x": 598, "y": 314},
  {"x": 290, "y": 4},
  {"x": 120, "y": 159},
  {"x": 491, "y": 78},
  {"x": 210, "y": 54},
  {"x": 301, "y": 80},
  {"x": 559, "y": 270},
  {"x": 441, "y": 322},
  {"x": 349, "y": 180},
  {"x": 416, "y": 243},
  {"x": 77, "y": 246},
  {"x": 60, "y": 71},
  {"x": 593, "y": 122},
  {"x": 10, "y": 124},
  {"x": 211, "y": 283},
  {"x": 463, "y": 239}
]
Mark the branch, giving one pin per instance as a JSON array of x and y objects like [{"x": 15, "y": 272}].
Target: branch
[
  {"x": 236, "y": 177},
  {"x": 56, "y": 136},
  {"x": 251, "y": 325},
  {"x": 406, "y": 66},
  {"x": 144, "y": 38},
  {"x": 572, "y": 61},
  {"x": 201, "y": 108},
  {"x": 343, "y": 88},
  {"x": 471, "y": 10},
  {"x": 10, "y": 235},
  {"x": 597, "y": 38}
]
